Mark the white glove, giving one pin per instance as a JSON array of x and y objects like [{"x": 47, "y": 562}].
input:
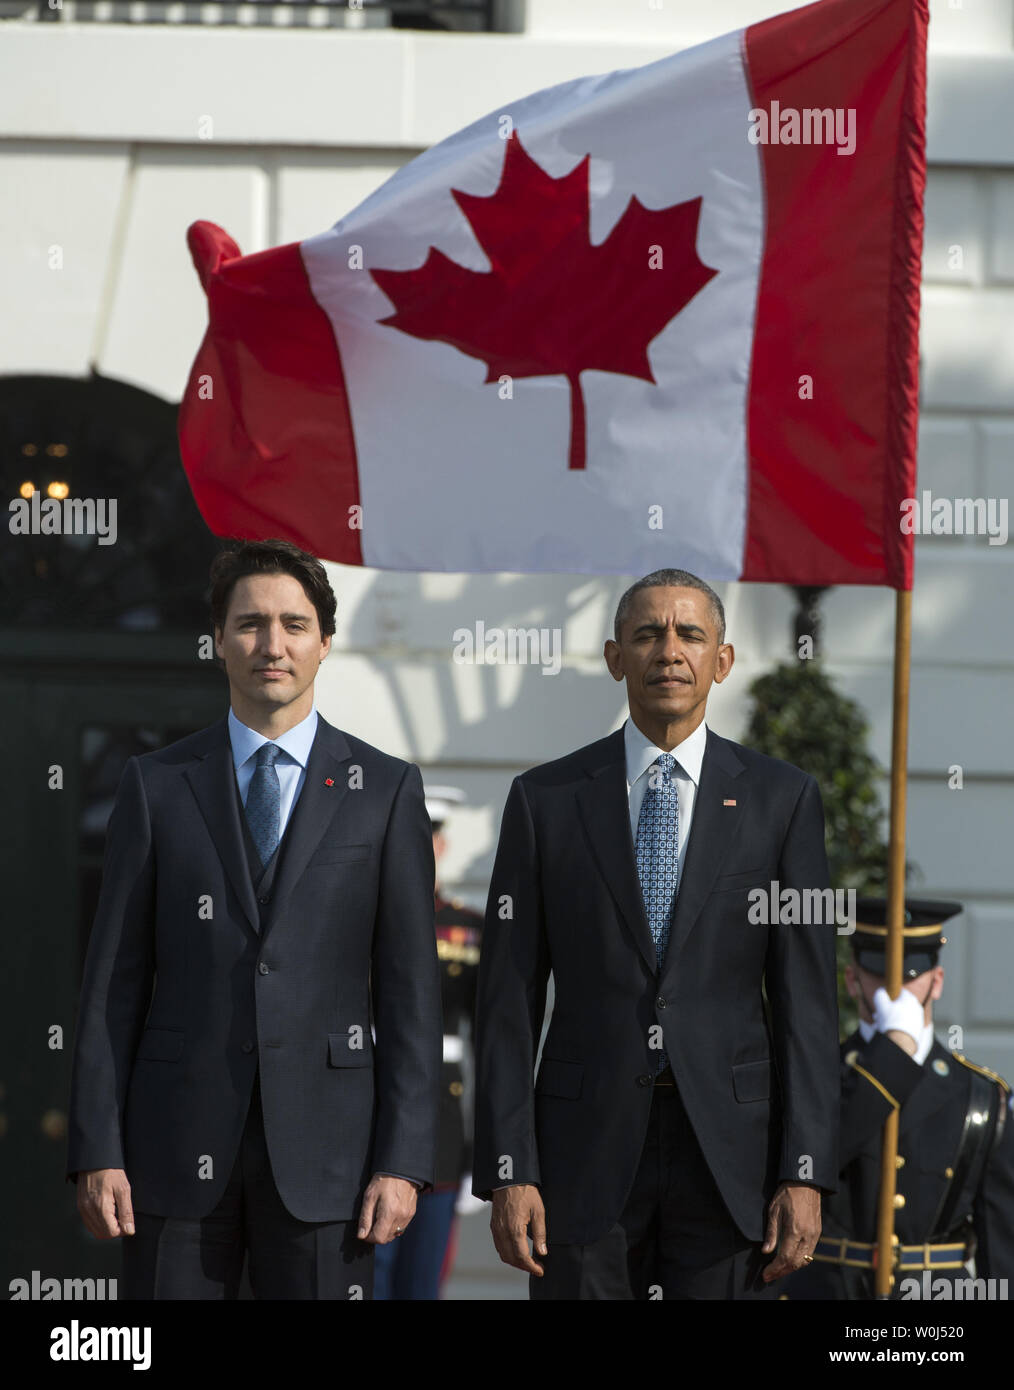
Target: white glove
[
  {"x": 904, "y": 1014},
  {"x": 465, "y": 1204}
]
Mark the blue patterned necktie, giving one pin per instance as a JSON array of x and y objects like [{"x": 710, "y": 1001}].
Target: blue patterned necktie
[
  {"x": 657, "y": 855},
  {"x": 263, "y": 802}
]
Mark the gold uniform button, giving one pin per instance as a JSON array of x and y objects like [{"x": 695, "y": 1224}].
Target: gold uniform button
[
  {"x": 948, "y": 1172},
  {"x": 899, "y": 1161},
  {"x": 454, "y": 968},
  {"x": 899, "y": 1200},
  {"x": 456, "y": 1088},
  {"x": 851, "y": 1057}
]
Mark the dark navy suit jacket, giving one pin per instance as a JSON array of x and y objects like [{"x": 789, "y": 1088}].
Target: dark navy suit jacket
[
  {"x": 565, "y": 897},
  {"x": 191, "y": 984}
]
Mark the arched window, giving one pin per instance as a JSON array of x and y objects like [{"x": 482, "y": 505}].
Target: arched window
[
  {"x": 95, "y": 438},
  {"x": 103, "y": 654}
]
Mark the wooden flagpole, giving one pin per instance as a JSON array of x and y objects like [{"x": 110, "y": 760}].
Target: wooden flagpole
[{"x": 884, "y": 1272}]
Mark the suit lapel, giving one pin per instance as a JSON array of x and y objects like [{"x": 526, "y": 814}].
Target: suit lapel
[
  {"x": 212, "y": 779},
  {"x": 316, "y": 808},
  {"x": 604, "y": 806},
  {"x": 712, "y": 830},
  {"x": 605, "y": 809}
]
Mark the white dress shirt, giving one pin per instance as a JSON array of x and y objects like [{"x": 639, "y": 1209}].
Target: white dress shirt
[
  {"x": 923, "y": 1046},
  {"x": 295, "y": 744},
  {"x": 641, "y": 753}
]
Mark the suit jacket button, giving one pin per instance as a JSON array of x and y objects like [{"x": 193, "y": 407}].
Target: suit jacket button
[
  {"x": 248, "y": 1046},
  {"x": 660, "y": 1001},
  {"x": 264, "y": 969},
  {"x": 645, "y": 1080},
  {"x": 264, "y": 900}
]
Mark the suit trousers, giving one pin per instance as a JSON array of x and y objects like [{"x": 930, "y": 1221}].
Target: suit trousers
[
  {"x": 168, "y": 1258},
  {"x": 675, "y": 1238}
]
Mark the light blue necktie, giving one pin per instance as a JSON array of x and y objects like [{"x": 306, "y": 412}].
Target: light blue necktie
[
  {"x": 657, "y": 855},
  {"x": 263, "y": 802}
]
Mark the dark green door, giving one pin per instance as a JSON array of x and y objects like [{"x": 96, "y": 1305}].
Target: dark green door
[{"x": 70, "y": 725}]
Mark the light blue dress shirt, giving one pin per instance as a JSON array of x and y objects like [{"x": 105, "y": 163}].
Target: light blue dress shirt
[{"x": 295, "y": 744}]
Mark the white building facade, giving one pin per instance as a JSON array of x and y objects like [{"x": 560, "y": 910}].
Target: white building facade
[{"x": 115, "y": 137}]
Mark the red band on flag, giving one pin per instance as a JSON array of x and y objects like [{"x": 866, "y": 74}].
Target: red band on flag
[
  {"x": 264, "y": 426},
  {"x": 840, "y": 305}
]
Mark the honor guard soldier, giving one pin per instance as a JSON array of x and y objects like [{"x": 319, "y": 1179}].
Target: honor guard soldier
[
  {"x": 955, "y": 1164},
  {"x": 416, "y": 1265}
]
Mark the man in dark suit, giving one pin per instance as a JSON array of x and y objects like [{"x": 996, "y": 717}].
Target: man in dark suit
[
  {"x": 257, "y": 1058},
  {"x": 679, "y": 1131},
  {"x": 954, "y": 1185}
]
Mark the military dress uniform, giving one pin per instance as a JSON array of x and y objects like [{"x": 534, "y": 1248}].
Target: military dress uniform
[
  {"x": 955, "y": 1163},
  {"x": 459, "y": 934},
  {"x": 414, "y": 1266}
]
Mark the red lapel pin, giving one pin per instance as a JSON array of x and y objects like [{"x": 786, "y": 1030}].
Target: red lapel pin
[{"x": 329, "y": 781}]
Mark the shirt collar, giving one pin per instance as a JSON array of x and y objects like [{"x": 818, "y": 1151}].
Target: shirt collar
[
  {"x": 295, "y": 742},
  {"x": 641, "y": 752}
]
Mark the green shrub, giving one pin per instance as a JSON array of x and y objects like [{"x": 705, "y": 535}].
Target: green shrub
[{"x": 797, "y": 715}]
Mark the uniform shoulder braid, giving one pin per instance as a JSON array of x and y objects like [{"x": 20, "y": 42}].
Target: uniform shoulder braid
[{"x": 984, "y": 1071}]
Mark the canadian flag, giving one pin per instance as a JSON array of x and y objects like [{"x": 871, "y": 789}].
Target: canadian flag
[{"x": 663, "y": 316}]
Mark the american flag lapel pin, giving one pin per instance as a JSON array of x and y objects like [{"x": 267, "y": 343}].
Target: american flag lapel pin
[{"x": 731, "y": 802}]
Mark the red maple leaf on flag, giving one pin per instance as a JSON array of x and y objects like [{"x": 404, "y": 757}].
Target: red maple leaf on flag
[{"x": 553, "y": 303}]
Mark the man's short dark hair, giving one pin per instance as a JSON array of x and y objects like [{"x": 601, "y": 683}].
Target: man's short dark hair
[
  {"x": 271, "y": 557},
  {"x": 670, "y": 579}
]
